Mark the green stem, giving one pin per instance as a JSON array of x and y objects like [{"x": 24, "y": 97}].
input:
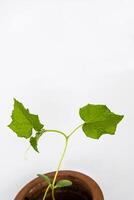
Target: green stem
[
  {"x": 61, "y": 159},
  {"x": 56, "y": 131},
  {"x": 26, "y": 152},
  {"x": 74, "y": 130},
  {"x": 44, "y": 197},
  {"x": 59, "y": 165},
  {"x": 52, "y": 185},
  {"x": 53, "y": 197}
]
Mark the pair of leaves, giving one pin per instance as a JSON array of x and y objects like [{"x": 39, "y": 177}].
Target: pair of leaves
[
  {"x": 98, "y": 120},
  {"x": 59, "y": 184},
  {"x": 23, "y": 123}
]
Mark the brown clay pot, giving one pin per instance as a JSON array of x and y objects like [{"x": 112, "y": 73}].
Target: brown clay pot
[{"x": 83, "y": 188}]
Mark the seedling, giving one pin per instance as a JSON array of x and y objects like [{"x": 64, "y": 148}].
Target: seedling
[{"x": 96, "y": 121}]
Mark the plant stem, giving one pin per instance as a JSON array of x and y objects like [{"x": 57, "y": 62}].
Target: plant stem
[
  {"x": 61, "y": 159},
  {"x": 62, "y": 133},
  {"x": 59, "y": 165},
  {"x": 74, "y": 130},
  {"x": 53, "y": 197},
  {"x": 25, "y": 153},
  {"x": 44, "y": 197}
]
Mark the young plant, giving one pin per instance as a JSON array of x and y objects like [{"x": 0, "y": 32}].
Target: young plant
[{"x": 96, "y": 121}]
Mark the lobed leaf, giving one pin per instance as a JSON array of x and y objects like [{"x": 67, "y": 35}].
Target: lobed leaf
[
  {"x": 98, "y": 120},
  {"x": 23, "y": 122}
]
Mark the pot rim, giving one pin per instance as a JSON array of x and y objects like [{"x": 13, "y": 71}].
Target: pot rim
[{"x": 91, "y": 184}]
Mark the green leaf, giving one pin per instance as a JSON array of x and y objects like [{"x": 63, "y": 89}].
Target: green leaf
[
  {"x": 34, "y": 140},
  {"x": 23, "y": 122},
  {"x": 98, "y": 120},
  {"x": 63, "y": 183},
  {"x": 45, "y": 178}
]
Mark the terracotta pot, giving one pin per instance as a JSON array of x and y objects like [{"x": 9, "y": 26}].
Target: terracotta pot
[{"x": 83, "y": 188}]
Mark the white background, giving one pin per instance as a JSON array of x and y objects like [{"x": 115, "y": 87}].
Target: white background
[{"x": 56, "y": 56}]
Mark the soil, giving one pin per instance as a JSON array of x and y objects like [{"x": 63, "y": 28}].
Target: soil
[{"x": 74, "y": 192}]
